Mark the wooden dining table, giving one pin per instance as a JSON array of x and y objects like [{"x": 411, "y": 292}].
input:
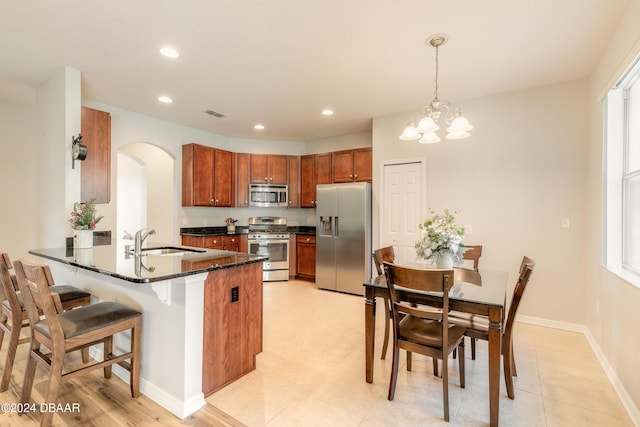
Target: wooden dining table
[{"x": 482, "y": 293}]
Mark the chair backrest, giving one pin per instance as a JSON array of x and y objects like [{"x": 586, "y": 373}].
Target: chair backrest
[
  {"x": 440, "y": 281},
  {"x": 382, "y": 255},
  {"x": 34, "y": 281},
  {"x": 473, "y": 253},
  {"x": 526, "y": 268},
  {"x": 8, "y": 284}
]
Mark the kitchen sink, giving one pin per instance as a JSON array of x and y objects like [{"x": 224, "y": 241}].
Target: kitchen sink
[{"x": 170, "y": 251}]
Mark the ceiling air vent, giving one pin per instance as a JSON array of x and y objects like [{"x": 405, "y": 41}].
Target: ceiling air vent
[{"x": 214, "y": 114}]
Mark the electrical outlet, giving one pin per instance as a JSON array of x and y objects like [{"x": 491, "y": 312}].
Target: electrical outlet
[
  {"x": 468, "y": 229},
  {"x": 235, "y": 294}
]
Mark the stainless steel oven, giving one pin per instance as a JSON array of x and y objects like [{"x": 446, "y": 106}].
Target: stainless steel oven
[{"x": 268, "y": 236}]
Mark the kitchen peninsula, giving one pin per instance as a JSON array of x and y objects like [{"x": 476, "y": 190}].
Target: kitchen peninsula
[{"x": 201, "y": 313}]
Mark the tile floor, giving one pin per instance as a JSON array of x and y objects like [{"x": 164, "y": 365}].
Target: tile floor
[{"x": 311, "y": 373}]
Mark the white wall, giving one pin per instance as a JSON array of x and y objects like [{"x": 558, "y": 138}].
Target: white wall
[
  {"x": 19, "y": 226},
  {"x": 611, "y": 303},
  {"x": 520, "y": 172},
  {"x": 337, "y": 143}
]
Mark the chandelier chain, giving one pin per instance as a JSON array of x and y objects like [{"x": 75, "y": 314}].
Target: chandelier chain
[{"x": 436, "y": 77}]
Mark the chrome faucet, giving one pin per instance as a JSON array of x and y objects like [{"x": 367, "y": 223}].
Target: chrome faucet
[{"x": 140, "y": 238}]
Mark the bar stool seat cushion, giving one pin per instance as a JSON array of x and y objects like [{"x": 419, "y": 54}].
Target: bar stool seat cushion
[
  {"x": 86, "y": 319},
  {"x": 66, "y": 292}
]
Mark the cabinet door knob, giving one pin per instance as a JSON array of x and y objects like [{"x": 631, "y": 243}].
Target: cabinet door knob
[
  {"x": 355, "y": 176},
  {"x": 266, "y": 179},
  {"x": 350, "y": 176},
  {"x": 308, "y": 240},
  {"x": 271, "y": 179}
]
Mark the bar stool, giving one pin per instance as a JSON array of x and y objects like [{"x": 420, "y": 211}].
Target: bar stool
[
  {"x": 64, "y": 331},
  {"x": 13, "y": 316}
]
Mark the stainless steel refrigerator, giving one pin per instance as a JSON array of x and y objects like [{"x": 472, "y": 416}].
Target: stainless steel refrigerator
[{"x": 343, "y": 236}]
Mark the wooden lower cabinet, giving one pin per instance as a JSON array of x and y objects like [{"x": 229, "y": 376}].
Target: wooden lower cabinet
[
  {"x": 232, "y": 330},
  {"x": 306, "y": 257},
  {"x": 233, "y": 242}
]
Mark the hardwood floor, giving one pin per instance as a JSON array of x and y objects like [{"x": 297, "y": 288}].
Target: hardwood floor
[{"x": 101, "y": 402}]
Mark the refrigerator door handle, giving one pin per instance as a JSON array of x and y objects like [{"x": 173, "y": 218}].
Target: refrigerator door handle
[{"x": 336, "y": 227}]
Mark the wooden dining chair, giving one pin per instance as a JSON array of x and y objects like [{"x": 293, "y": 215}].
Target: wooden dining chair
[
  {"x": 64, "y": 331},
  {"x": 477, "y": 326},
  {"x": 380, "y": 256},
  {"x": 473, "y": 253},
  {"x": 13, "y": 316},
  {"x": 423, "y": 330}
]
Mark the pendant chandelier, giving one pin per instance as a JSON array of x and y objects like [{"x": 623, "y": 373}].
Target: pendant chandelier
[{"x": 425, "y": 130}]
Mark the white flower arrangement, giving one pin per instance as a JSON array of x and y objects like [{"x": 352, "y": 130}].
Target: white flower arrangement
[{"x": 441, "y": 238}]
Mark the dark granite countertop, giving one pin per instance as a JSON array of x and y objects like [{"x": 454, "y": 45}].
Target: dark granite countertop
[
  {"x": 112, "y": 261},
  {"x": 240, "y": 229}
]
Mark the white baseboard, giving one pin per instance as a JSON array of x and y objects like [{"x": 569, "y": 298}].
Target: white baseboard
[
  {"x": 179, "y": 408},
  {"x": 624, "y": 396}
]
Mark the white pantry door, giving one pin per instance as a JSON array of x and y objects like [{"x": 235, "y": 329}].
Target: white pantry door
[{"x": 403, "y": 207}]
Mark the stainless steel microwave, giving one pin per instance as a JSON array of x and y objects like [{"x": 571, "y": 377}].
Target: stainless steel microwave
[{"x": 268, "y": 195}]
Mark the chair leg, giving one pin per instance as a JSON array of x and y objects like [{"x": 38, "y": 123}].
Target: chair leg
[
  {"x": 394, "y": 372},
  {"x": 461, "y": 368},
  {"x": 85, "y": 355},
  {"x": 29, "y": 375},
  {"x": 455, "y": 352},
  {"x": 134, "y": 380},
  {"x": 508, "y": 374},
  {"x": 55, "y": 376},
  {"x": 435, "y": 366},
  {"x": 14, "y": 340},
  {"x": 513, "y": 362},
  {"x": 445, "y": 387},
  {"x": 473, "y": 349},
  {"x": 387, "y": 320},
  {"x": 3, "y": 320},
  {"x": 409, "y": 361},
  {"x": 108, "y": 353}
]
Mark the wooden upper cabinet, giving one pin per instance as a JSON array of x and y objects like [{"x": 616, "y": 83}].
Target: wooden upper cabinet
[
  {"x": 352, "y": 165},
  {"x": 294, "y": 181},
  {"x": 363, "y": 164},
  {"x": 242, "y": 180},
  {"x": 95, "y": 173},
  {"x": 314, "y": 169},
  {"x": 268, "y": 169},
  {"x": 323, "y": 168},
  {"x": 223, "y": 178},
  {"x": 208, "y": 176},
  {"x": 307, "y": 181}
]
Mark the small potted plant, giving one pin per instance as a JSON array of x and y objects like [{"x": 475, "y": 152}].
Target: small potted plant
[
  {"x": 231, "y": 225},
  {"x": 441, "y": 240},
  {"x": 84, "y": 218}
]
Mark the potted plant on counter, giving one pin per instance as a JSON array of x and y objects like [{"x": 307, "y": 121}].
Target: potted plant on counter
[
  {"x": 231, "y": 225},
  {"x": 84, "y": 218},
  {"x": 441, "y": 240}
]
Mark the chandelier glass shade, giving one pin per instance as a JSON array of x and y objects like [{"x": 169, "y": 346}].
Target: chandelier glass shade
[{"x": 424, "y": 131}]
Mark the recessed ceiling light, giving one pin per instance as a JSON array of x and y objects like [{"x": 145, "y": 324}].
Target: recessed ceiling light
[
  {"x": 327, "y": 112},
  {"x": 165, "y": 99},
  {"x": 169, "y": 52},
  {"x": 259, "y": 127}
]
